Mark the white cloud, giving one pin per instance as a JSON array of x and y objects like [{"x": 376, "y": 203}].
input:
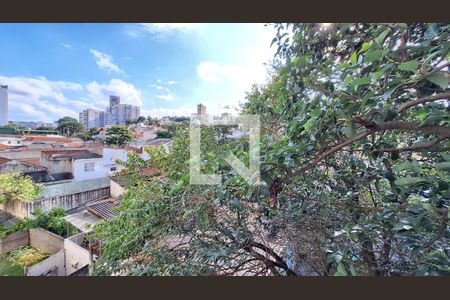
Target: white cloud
[
  {"x": 100, "y": 93},
  {"x": 156, "y": 86},
  {"x": 212, "y": 71},
  {"x": 171, "y": 82},
  {"x": 40, "y": 99},
  {"x": 160, "y": 30},
  {"x": 166, "y": 97},
  {"x": 163, "y": 112},
  {"x": 105, "y": 62},
  {"x": 167, "y": 27},
  {"x": 66, "y": 45}
]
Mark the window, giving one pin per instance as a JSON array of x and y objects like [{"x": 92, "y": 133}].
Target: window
[
  {"x": 89, "y": 167},
  {"x": 18, "y": 142},
  {"x": 9, "y": 142},
  {"x": 113, "y": 168}
]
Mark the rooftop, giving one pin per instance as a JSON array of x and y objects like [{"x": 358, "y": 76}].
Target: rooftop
[
  {"x": 44, "y": 176},
  {"x": 158, "y": 142},
  {"x": 4, "y": 160},
  {"x": 76, "y": 156},
  {"x": 103, "y": 209}
]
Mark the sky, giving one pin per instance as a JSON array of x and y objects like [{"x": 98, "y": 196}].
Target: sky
[{"x": 57, "y": 70}]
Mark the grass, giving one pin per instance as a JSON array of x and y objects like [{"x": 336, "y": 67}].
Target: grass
[
  {"x": 8, "y": 268},
  {"x": 13, "y": 264},
  {"x": 27, "y": 256}
]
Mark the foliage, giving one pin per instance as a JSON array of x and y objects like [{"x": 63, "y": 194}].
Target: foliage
[
  {"x": 15, "y": 186},
  {"x": 354, "y": 154},
  {"x": 26, "y": 256},
  {"x": 118, "y": 135},
  {"x": 68, "y": 125},
  {"x": 164, "y": 134},
  {"x": 52, "y": 221}
]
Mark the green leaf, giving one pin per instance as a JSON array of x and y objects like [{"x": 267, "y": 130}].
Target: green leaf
[
  {"x": 380, "y": 39},
  {"x": 443, "y": 166},
  {"x": 408, "y": 181},
  {"x": 340, "y": 270},
  {"x": 361, "y": 81},
  {"x": 354, "y": 58},
  {"x": 411, "y": 66},
  {"x": 365, "y": 46},
  {"x": 438, "y": 79},
  {"x": 373, "y": 56}
]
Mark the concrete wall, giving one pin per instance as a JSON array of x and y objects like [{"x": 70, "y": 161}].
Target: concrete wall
[
  {"x": 45, "y": 241},
  {"x": 62, "y": 165},
  {"x": 76, "y": 257},
  {"x": 14, "y": 241},
  {"x": 21, "y": 154},
  {"x": 16, "y": 166},
  {"x": 116, "y": 189},
  {"x": 51, "y": 266},
  {"x": 23, "y": 209},
  {"x": 69, "y": 188}
]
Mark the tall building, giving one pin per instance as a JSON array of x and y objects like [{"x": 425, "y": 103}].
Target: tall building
[
  {"x": 201, "y": 110},
  {"x": 3, "y": 105},
  {"x": 91, "y": 118},
  {"x": 117, "y": 113}
]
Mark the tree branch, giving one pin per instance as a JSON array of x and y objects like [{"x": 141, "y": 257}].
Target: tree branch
[
  {"x": 412, "y": 148},
  {"x": 372, "y": 127},
  {"x": 409, "y": 104}
]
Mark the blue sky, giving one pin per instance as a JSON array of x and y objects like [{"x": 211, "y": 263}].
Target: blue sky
[{"x": 54, "y": 70}]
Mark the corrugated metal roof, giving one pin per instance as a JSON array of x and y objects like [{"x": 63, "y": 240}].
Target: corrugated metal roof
[{"x": 104, "y": 208}]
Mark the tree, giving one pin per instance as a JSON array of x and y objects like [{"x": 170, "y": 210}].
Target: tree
[
  {"x": 68, "y": 125},
  {"x": 141, "y": 119},
  {"x": 118, "y": 135},
  {"x": 15, "y": 186},
  {"x": 45, "y": 128},
  {"x": 354, "y": 153}
]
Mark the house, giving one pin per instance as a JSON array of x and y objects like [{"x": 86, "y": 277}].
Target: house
[
  {"x": 18, "y": 166},
  {"x": 11, "y": 140},
  {"x": 84, "y": 165},
  {"x": 165, "y": 143},
  {"x": 56, "y": 162}
]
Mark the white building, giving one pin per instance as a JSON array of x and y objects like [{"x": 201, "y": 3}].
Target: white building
[
  {"x": 117, "y": 113},
  {"x": 87, "y": 166},
  {"x": 3, "y": 105},
  {"x": 11, "y": 140},
  {"x": 92, "y": 118}
]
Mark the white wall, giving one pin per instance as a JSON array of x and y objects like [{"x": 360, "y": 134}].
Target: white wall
[
  {"x": 77, "y": 257},
  {"x": 55, "y": 262},
  {"x": 115, "y": 189},
  {"x": 80, "y": 174},
  {"x": 10, "y": 141},
  {"x": 111, "y": 155}
]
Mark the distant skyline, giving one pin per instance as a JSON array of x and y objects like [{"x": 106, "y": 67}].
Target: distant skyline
[{"x": 57, "y": 70}]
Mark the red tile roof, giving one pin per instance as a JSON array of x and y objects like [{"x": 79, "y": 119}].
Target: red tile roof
[
  {"x": 3, "y": 160},
  {"x": 47, "y": 139},
  {"x": 4, "y": 146}
]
